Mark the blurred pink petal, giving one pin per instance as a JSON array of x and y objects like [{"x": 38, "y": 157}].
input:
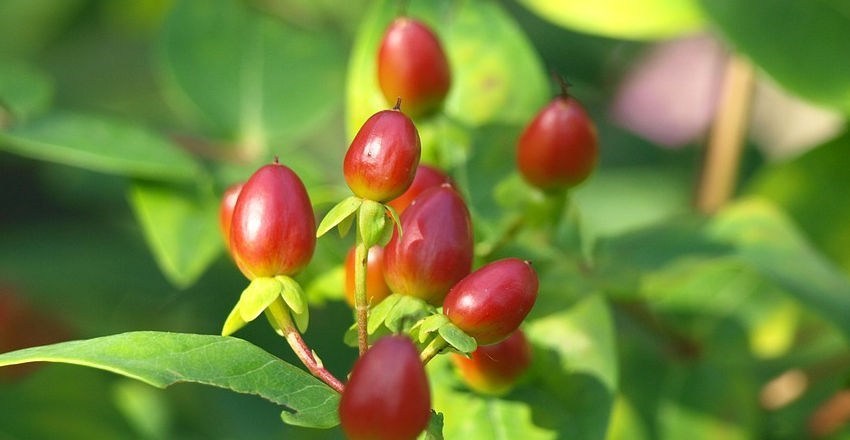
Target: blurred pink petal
[{"x": 670, "y": 95}]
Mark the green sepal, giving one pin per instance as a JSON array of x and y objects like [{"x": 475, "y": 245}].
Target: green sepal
[
  {"x": 406, "y": 312},
  {"x": 379, "y": 313},
  {"x": 345, "y": 225},
  {"x": 396, "y": 219},
  {"x": 301, "y": 319},
  {"x": 372, "y": 223},
  {"x": 273, "y": 323},
  {"x": 456, "y": 338},
  {"x": 434, "y": 431},
  {"x": 338, "y": 214},
  {"x": 429, "y": 325},
  {"x": 292, "y": 294},
  {"x": 257, "y": 296},
  {"x": 233, "y": 322}
]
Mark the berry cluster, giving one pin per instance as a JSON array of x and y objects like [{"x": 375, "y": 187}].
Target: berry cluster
[{"x": 414, "y": 239}]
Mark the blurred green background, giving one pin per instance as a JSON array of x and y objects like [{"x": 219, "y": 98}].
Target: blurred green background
[{"x": 121, "y": 122}]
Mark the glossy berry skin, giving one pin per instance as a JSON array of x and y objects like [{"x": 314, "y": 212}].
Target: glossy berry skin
[
  {"x": 387, "y": 396},
  {"x": 381, "y": 162},
  {"x": 559, "y": 148},
  {"x": 426, "y": 177},
  {"x": 376, "y": 287},
  {"x": 413, "y": 66},
  {"x": 435, "y": 249},
  {"x": 273, "y": 230},
  {"x": 490, "y": 303},
  {"x": 225, "y": 211},
  {"x": 494, "y": 369}
]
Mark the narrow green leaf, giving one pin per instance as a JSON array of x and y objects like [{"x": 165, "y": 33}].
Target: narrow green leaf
[
  {"x": 802, "y": 44},
  {"x": 252, "y": 76},
  {"x": 629, "y": 19},
  {"x": 257, "y": 296},
  {"x": 163, "y": 359},
  {"x": 24, "y": 90},
  {"x": 371, "y": 222},
  {"x": 457, "y": 338},
  {"x": 181, "y": 228},
  {"x": 100, "y": 144},
  {"x": 234, "y": 322},
  {"x": 338, "y": 214},
  {"x": 292, "y": 294}
]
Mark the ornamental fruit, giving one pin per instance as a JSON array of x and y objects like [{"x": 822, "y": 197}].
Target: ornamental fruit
[
  {"x": 381, "y": 162},
  {"x": 273, "y": 230},
  {"x": 376, "y": 287},
  {"x": 494, "y": 369},
  {"x": 490, "y": 303},
  {"x": 558, "y": 149},
  {"x": 225, "y": 211},
  {"x": 387, "y": 396},
  {"x": 435, "y": 248},
  {"x": 426, "y": 177},
  {"x": 413, "y": 66}
]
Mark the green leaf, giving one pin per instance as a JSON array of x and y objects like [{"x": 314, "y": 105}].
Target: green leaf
[
  {"x": 372, "y": 223},
  {"x": 338, "y": 214},
  {"x": 258, "y": 296},
  {"x": 100, "y": 144},
  {"x": 770, "y": 243},
  {"x": 24, "y": 90},
  {"x": 163, "y": 359},
  {"x": 802, "y": 44},
  {"x": 434, "y": 431},
  {"x": 627, "y": 19},
  {"x": 457, "y": 338},
  {"x": 255, "y": 78},
  {"x": 575, "y": 360},
  {"x": 497, "y": 75},
  {"x": 180, "y": 226}
]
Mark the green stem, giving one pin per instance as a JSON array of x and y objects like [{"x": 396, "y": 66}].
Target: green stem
[
  {"x": 433, "y": 349},
  {"x": 361, "y": 304},
  {"x": 279, "y": 313}
]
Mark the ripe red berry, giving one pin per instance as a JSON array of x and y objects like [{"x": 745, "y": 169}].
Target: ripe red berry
[
  {"x": 490, "y": 303},
  {"x": 273, "y": 230},
  {"x": 387, "y": 396},
  {"x": 413, "y": 66},
  {"x": 225, "y": 211},
  {"x": 381, "y": 162},
  {"x": 494, "y": 369},
  {"x": 426, "y": 177},
  {"x": 376, "y": 287},
  {"x": 558, "y": 149},
  {"x": 435, "y": 249}
]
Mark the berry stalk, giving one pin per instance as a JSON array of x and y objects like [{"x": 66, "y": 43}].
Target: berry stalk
[
  {"x": 361, "y": 303},
  {"x": 279, "y": 313},
  {"x": 431, "y": 350}
]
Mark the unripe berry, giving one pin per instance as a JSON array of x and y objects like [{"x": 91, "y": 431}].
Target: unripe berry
[
  {"x": 494, "y": 369},
  {"x": 387, "y": 396},
  {"x": 490, "y": 303},
  {"x": 413, "y": 66},
  {"x": 376, "y": 287},
  {"x": 225, "y": 211},
  {"x": 435, "y": 249},
  {"x": 381, "y": 162},
  {"x": 273, "y": 230},
  {"x": 558, "y": 148},
  {"x": 426, "y": 177}
]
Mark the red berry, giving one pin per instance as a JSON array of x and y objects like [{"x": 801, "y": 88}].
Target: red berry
[
  {"x": 413, "y": 66},
  {"x": 435, "y": 249},
  {"x": 494, "y": 369},
  {"x": 387, "y": 396},
  {"x": 381, "y": 162},
  {"x": 558, "y": 149},
  {"x": 225, "y": 211},
  {"x": 490, "y": 303},
  {"x": 273, "y": 230},
  {"x": 376, "y": 287},
  {"x": 426, "y": 177}
]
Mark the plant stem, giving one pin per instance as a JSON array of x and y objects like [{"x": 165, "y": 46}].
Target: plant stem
[
  {"x": 361, "y": 304},
  {"x": 723, "y": 153},
  {"x": 433, "y": 349},
  {"x": 279, "y": 313}
]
